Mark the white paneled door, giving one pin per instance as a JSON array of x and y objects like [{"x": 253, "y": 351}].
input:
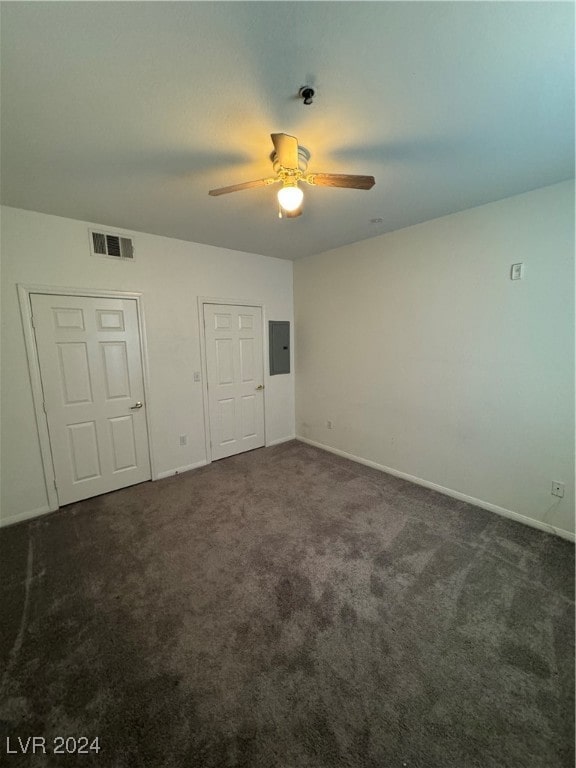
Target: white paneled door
[
  {"x": 235, "y": 372},
  {"x": 91, "y": 370}
]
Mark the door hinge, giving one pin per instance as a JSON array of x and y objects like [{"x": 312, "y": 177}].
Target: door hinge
[
  {"x": 44, "y": 408},
  {"x": 32, "y": 321},
  {"x": 55, "y": 486}
]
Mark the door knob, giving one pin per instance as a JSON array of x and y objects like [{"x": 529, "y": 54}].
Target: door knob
[
  {"x": 260, "y": 386},
  {"x": 135, "y": 407}
]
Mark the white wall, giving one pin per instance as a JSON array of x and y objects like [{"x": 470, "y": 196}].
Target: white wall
[
  {"x": 430, "y": 361},
  {"x": 171, "y": 274}
]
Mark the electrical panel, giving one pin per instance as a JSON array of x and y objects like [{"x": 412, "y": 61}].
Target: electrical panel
[{"x": 279, "y": 344}]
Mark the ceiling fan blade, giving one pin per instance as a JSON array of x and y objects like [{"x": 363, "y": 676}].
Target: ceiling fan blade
[
  {"x": 340, "y": 180},
  {"x": 286, "y": 149},
  {"x": 245, "y": 185}
]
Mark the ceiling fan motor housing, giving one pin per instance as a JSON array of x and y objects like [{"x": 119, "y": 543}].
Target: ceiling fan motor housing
[{"x": 303, "y": 159}]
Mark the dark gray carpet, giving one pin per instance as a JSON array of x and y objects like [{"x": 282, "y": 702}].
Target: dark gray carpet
[{"x": 288, "y": 609}]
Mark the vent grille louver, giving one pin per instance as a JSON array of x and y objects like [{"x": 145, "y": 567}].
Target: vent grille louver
[
  {"x": 126, "y": 248},
  {"x": 99, "y": 243},
  {"x": 115, "y": 246}
]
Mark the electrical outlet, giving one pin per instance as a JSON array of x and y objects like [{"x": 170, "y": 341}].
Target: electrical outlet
[
  {"x": 557, "y": 489},
  {"x": 329, "y": 424},
  {"x": 196, "y": 375},
  {"x": 183, "y": 439}
]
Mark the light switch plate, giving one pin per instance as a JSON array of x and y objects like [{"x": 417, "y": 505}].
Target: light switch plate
[{"x": 517, "y": 272}]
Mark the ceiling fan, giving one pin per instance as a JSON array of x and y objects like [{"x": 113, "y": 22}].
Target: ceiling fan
[{"x": 290, "y": 162}]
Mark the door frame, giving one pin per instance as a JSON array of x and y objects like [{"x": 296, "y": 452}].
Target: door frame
[
  {"x": 24, "y": 293},
  {"x": 202, "y": 300}
]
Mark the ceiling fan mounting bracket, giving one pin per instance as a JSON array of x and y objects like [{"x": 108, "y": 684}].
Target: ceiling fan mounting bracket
[{"x": 306, "y": 93}]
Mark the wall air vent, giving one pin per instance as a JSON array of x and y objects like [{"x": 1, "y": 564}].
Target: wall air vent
[{"x": 111, "y": 244}]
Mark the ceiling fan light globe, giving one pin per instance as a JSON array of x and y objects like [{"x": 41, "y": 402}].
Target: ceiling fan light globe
[{"x": 290, "y": 197}]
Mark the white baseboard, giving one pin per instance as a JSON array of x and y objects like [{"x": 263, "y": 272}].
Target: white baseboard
[
  {"x": 568, "y": 535},
  {"x": 179, "y": 470},
  {"x": 280, "y": 440},
  {"x": 447, "y": 491},
  {"x": 21, "y": 516}
]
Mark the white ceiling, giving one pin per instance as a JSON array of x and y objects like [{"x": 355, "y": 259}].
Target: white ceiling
[{"x": 127, "y": 113}]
